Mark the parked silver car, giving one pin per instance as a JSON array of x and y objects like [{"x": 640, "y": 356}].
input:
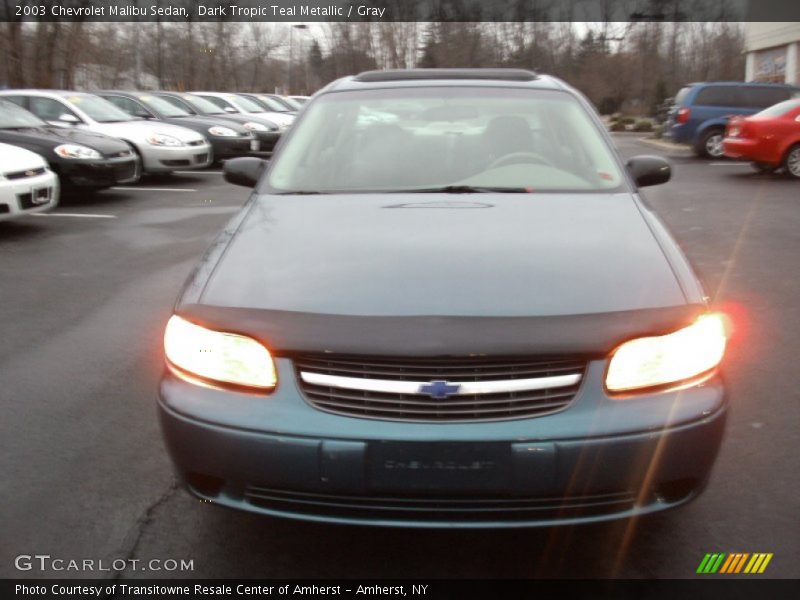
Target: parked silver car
[{"x": 162, "y": 147}]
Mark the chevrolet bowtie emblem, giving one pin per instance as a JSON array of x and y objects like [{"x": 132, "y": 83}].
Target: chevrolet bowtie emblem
[{"x": 439, "y": 389}]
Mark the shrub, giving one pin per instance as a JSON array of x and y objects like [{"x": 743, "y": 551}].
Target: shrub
[
  {"x": 626, "y": 120},
  {"x": 643, "y": 125},
  {"x": 617, "y": 126}
]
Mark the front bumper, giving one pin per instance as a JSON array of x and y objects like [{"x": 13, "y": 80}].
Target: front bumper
[
  {"x": 231, "y": 147},
  {"x": 161, "y": 159},
  {"x": 599, "y": 459},
  {"x": 28, "y": 196},
  {"x": 267, "y": 140},
  {"x": 101, "y": 173}
]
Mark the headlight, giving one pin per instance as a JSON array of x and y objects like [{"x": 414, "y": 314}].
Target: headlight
[
  {"x": 76, "y": 151},
  {"x": 673, "y": 358},
  {"x": 159, "y": 139},
  {"x": 255, "y": 126},
  {"x": 222, "y": 131},
  {"x": 218, "y": 356}
]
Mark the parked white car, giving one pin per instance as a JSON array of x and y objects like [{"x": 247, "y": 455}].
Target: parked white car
[
  {"x": 162, "y": 147},
  {"x": 27, "y": 185},
  {"x": 235, "y": 103}
]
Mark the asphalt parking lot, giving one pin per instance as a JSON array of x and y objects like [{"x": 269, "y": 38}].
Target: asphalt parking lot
[{"x": 86, "y": 290}]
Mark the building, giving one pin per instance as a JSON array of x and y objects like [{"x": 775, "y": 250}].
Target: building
[{"x": 773, "y": 52}]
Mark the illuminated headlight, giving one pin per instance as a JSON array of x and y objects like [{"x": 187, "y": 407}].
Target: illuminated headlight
[
  {"x": 76, "y": 151},
  {"x": 255, "y": 126},
  {"x": 218, "y": 356},
  {"x": 159, "y": 139},
  {"x": 222, "y": 131},
  {"x": 668, "y": 359}
]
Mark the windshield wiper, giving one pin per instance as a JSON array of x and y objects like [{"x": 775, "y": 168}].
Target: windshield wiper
[{"x": 469, "y": 189}]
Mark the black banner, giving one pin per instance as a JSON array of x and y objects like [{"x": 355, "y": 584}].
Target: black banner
[
  {"x": 699, "y": 589},
  {"x": 400, "y": 10}
]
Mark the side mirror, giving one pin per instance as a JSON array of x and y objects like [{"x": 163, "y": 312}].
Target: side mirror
[
  {"x": 69, "y": 119},
  {"x": 649, "y": 170},
  {"x": 244, "y": 171}
]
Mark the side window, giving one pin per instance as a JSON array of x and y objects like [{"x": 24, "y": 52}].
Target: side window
[
  {"x": 764, "y": 97},
  {"x": 48, "y": 109},
  {"x": 18, "y": 100},
  {"x": 718, "y": 95},
  {"x": 129, "y": 106}
]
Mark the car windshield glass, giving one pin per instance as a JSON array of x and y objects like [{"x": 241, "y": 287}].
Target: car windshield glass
[
  {"x": 99, "y": 109},
  {"x": 780, "y": 109},
  {"x": 272, "y": 104},
  {"x": 466, "y": 139},
  {"x": 292, "y": 103},
  {"x": 201, "y": 105},
  {"x": 163, "y": 107},
  {"x": 12, "y": 117},
  {"x": 248, "y": 105}
]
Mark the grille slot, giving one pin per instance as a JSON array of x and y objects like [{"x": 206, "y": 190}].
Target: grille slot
[
  {"x": 25, "y": 174},
  {"x": 414, "y": 406},
  {"x": 436, "y": 509}
]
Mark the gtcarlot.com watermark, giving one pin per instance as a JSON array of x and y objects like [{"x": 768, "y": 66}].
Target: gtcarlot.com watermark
[{"x": 46, "y": 562}]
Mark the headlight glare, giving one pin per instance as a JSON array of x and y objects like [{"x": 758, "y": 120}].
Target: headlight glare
[
  {"x": 668, "y": 359},
  {"x": 255, "y": 126},
  {"x": 222, "y": 131},
  {"x": 218, "y": 356},
  {"x": 159, "y": 139},
  {"x": 76, "y": 151}
]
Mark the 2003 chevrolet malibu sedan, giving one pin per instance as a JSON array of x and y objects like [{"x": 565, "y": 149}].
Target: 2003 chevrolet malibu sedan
[{"x": 461, "y": 314}]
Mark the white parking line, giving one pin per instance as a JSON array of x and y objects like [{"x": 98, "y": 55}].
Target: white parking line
[
  {"x": 79, "y": 215},
  {"x": 144, "y": 189},
  {"x": 199, "y": 173},
  {"x": 727, "y": 164}
]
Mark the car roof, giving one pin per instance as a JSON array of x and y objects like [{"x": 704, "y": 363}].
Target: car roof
[{"x": 518, "y": 78}]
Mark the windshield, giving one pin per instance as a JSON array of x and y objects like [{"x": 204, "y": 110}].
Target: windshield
[
  {"x": 247, "y": 105},
  {"x": 779, "y": 109},
  {"x": 458, "y": 137},
  {"x": 166, "y": 109},
  {"x": 99, "y": 109},
  {"x": 272, "y": 104},
  {"x": 13, "y": 117}
]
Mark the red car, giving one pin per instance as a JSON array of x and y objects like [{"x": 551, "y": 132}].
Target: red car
[{"x": 770, "y": 139}]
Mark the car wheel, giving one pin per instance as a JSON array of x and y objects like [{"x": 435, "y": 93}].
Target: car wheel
[
  {"x": 763, "y": 167},
  {"x": 710, "y": 143},
  {"x": 791, "y": 162}
]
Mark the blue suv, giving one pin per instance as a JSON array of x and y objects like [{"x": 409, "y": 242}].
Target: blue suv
[{"x": 701, "y": 111}]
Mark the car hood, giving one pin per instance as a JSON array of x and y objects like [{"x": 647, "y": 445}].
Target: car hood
[
  {"x": 139, "y": 130},
  {"x": 13, "y": 159},
  {"x": 499, "y": 255},
  {"x": 50, "y": 137}
]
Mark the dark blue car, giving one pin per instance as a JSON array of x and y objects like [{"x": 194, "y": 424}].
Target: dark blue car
[{"x": 701, "y": 111}]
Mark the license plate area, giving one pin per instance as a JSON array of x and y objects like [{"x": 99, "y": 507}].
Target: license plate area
[
  {"x": 40, "y": 196},
  {"x": 439, "y": 467},
  {"x": 254, "y": 145}
]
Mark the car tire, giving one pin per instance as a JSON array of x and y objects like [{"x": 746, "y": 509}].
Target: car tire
[
  {"x": 710, "y": 143},
  {"x": 791, "y": 162},
  {"x": 763, "y": 168}
]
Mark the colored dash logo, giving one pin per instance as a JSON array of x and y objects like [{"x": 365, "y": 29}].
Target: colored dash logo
[{"x": 737, "y": 562}]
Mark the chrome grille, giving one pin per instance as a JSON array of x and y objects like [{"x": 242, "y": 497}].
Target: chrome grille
[{"x": 422, "y": 389}]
